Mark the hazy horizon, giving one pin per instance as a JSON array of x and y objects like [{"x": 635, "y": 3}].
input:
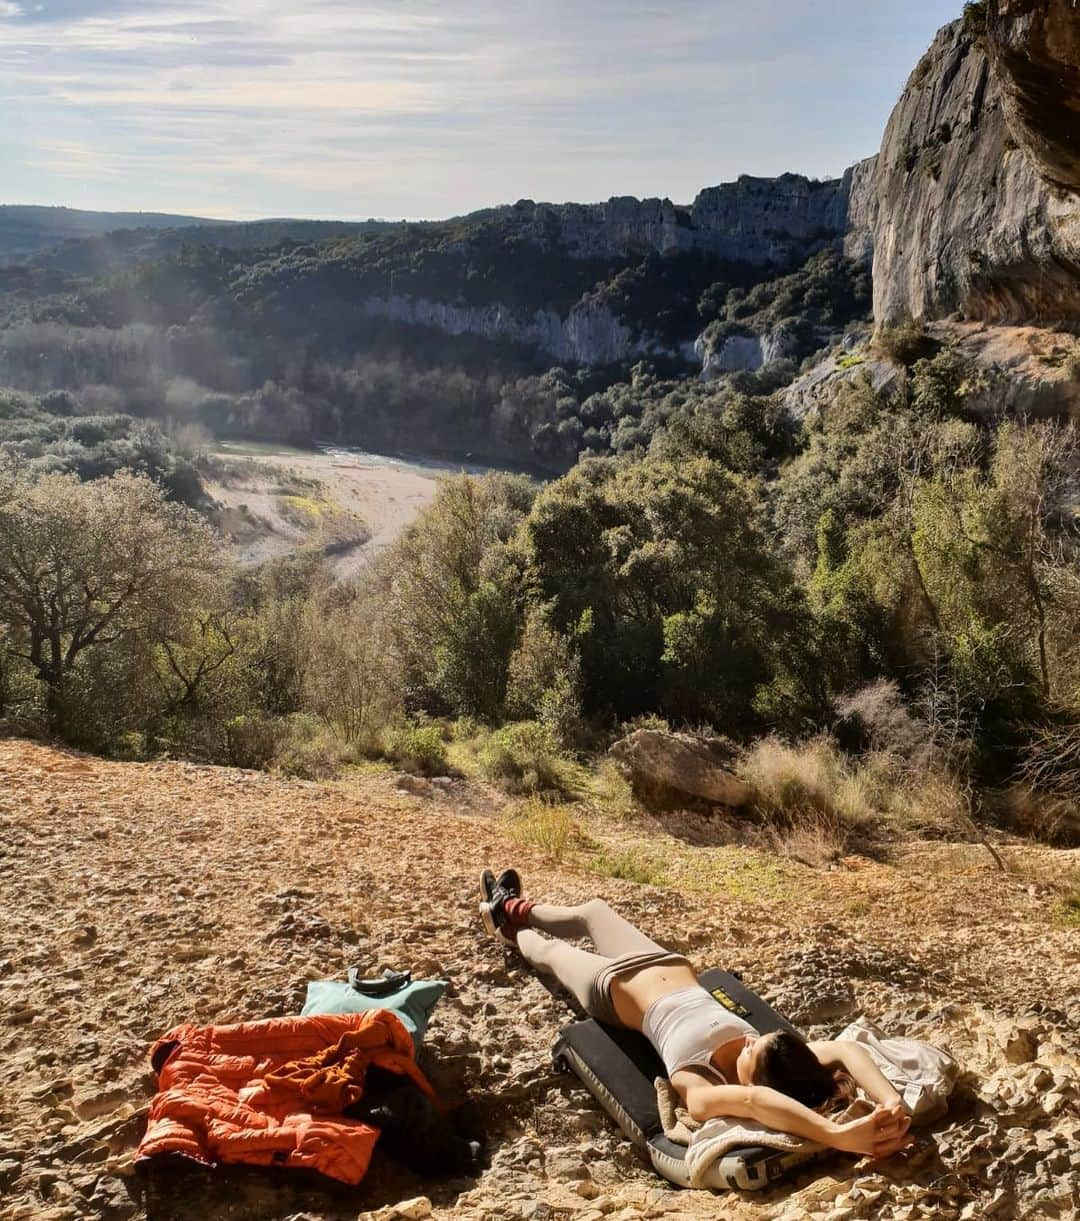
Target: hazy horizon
[{"x": 244, "y": 109}]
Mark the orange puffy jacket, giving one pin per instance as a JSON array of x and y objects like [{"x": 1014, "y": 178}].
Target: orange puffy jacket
[{"x": 272, "y": 1092}]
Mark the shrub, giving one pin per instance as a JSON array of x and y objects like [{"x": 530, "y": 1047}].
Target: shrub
[
  {"x": 419, "y": 749},
  {"x": 878, "y": 713},
  {"x": 904, "y": 343},
  {"x": 523, "y": 757},
  {"x": 544, "y": 679},
  {"x": 792, "y": 783},
  {"x": 252, "y": 739},
  {"x": 974, "y": 19},
  {"x": 310, "y": 752},
  {"x": 541, "y": 824},
  {"x": 352, "y": 678}
]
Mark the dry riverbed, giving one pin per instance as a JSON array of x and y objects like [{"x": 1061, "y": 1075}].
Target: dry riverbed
[{"x": 273, "y": 500}]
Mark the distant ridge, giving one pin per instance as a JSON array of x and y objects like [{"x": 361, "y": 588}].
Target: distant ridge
[
  {"x": 28, "y": 229},
  {"x": 94, "y": 241}
]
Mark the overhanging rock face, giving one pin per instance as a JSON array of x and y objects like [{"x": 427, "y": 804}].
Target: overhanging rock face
[
  {"x": 955, "y": 207},
  {"x": 1034, "y": 46}
]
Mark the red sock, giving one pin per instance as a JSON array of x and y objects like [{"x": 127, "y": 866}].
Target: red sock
[{"x": 517, "y": 911}]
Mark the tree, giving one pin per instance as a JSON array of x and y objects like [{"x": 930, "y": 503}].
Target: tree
[
  {"x": 84, "y": 565},
  {"x": 450, "y": 594},
  {"x": 352, "y": 679},
  {"x": 663, "y": 575}
]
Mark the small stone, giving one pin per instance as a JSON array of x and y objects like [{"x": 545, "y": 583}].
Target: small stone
[
  {"x": 1021, "y": 1045},
  {"x": 416, "y": 785},
  {"x": 565, "y": 1164},
  {"x": 414, "y": 1209}
]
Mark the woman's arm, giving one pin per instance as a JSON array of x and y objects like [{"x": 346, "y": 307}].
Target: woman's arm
[
  {"x": 878, "y": 1134},
  {"x": 859, "y": 1064}
]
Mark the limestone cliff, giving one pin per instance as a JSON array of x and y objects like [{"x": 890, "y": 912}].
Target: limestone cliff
[
  {"x": 955, "y": 206},
  {"x": 1035, "y": 49},
  {"x": 761, "y": 221},
  {"x": 589, "y": 334},
  {"x": 764, "y": 222}
]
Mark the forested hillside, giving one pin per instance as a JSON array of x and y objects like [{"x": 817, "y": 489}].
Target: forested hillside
[
  {"x": 882, "y": 575},
  {"x": 304, "y": 342}
]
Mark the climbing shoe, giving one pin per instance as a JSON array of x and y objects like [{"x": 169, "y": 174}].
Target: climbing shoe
[{"x": 493, "y": 895}]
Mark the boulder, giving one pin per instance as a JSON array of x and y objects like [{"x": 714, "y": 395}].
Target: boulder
[
  {"x": 418, "y": 786},
  {"x": 665, "y": 766}
]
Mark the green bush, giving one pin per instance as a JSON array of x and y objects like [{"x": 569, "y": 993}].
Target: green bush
[
  {"x": 523, "y": 757},
  {"x": 252, "y": 739},
  {"x": 419, "y": 749},
  {"x": 904, "y": 343}
]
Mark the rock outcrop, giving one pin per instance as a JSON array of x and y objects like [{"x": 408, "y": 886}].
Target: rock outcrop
[
  {"x": 669, "y": 767},
  {"x": 761, "y": 221},
  {"x": 1027, "y": 372},
  {"x": 589, "y": 334},
  {"x": 955, "y": 206},
  {"x": 1034, "y": 46},
  {"x": 745, "y": 352}
]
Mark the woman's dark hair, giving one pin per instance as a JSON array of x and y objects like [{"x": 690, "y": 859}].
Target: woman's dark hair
[{"x": 787, "y": 1064}]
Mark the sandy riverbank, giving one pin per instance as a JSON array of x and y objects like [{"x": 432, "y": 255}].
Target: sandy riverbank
[{"x": 364, "y": 500}]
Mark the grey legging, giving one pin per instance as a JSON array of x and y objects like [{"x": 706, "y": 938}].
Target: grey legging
[{"x": 620, "y": 947}]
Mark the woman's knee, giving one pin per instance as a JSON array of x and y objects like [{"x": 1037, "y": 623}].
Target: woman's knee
[
  {"x": 535, "y": 948},
  {"x": 596, "y": 907}
]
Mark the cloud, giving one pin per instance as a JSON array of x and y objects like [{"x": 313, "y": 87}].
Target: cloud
[{"x": 354, "y": 106}]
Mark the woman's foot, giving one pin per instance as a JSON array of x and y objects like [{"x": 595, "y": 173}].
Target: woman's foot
[{"x": 494, "y": 892}]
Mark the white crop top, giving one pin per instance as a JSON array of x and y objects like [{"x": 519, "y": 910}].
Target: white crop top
[{"x": 688, "y": 1025}]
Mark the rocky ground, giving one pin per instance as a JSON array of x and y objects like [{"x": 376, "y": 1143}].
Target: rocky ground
[{"x": 135, "y": 896}]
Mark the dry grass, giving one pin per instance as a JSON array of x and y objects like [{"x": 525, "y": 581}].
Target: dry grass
[
  {"x": 814, "y": 840},
  {"x": 609, "y": 791},
  {"x": 811, "y": 781},
  {"x": 541, "y": 824},
  {"x": 816, "y": 795},
  {"x": 1048, "y": 818}
]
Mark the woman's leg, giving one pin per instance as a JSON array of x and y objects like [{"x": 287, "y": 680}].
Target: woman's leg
[
  {"x": 610, "y": 933},
  {"x": 575, "y": 969}
]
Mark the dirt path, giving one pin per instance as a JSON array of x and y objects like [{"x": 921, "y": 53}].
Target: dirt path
[{"x": 135, "y": 896}]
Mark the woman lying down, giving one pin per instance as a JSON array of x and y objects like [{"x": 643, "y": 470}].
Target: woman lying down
[{"x": 717, "y": 1063}]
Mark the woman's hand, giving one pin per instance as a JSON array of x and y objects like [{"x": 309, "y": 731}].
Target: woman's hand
[{"x": 880, "y": 1134}]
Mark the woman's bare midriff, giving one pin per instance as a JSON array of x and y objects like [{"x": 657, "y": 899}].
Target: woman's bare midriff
[{"x": 633, "y": 993}]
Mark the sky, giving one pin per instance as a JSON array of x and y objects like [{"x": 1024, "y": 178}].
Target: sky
[{"x": 431, "y": 108}]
